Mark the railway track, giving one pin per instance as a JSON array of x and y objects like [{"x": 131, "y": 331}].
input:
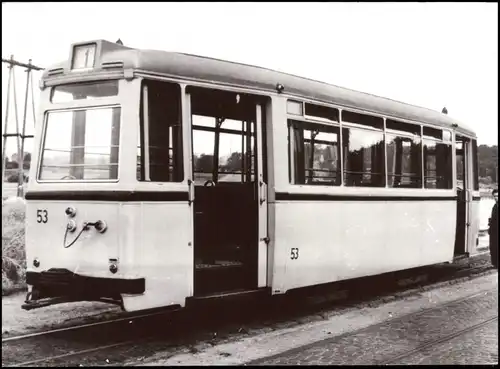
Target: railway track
[
  {"x": 130, "y": 318},
  {"x": 115, "y": 341},
  {"x": 367, "y": 335},
  {"x": 82, "y": 326},
  {"x": 431, "y": 343}
]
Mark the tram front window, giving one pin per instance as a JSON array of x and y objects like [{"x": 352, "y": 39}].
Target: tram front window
[
  {"x": 81, "y": 145},
  {"x": 84, "y": 91}
]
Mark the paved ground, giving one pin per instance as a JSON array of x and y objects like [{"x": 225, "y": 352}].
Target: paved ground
[
  {"x": 440, "y": 335},
  {"x": 475, "y": 347},
  {"x": 455, "y": 324}
]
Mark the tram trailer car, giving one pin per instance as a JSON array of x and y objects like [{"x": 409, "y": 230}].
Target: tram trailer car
[{"x": 159, "y": 177}]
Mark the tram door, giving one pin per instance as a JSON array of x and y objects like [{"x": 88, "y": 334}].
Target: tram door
[
  {"x": 464, "y": 193},
  {"x": 229, "y": 191}
]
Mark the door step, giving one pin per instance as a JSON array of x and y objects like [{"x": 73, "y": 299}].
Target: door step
[
  {"x": 220, "y": 276},
  {"x": 461, "y": 257},
  {"x": 236, "y": 294},
  {"x": 218, "y": 264}
]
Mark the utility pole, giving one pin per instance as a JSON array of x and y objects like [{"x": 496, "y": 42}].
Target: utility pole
[{"x": 20, "y": 135}]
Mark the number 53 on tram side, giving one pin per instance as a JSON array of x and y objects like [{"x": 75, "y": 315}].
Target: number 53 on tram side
[{"x": 161, "y": 177}]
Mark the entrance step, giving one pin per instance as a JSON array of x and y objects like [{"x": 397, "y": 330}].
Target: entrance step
[
  {"x": 219, "y": 276},
  {"x": 218, "y": 264}
]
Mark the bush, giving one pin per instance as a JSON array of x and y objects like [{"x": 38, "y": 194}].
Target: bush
[{"x": 13, "y": 246}]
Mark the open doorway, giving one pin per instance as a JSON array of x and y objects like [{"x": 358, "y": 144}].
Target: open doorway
[{"x": 226, "y": 196}]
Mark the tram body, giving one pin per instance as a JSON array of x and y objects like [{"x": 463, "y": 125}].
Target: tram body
[{"x": 159, "y": 177}]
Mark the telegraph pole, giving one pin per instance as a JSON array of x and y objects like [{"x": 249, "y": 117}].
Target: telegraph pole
[{"x": 20, "y": 135}]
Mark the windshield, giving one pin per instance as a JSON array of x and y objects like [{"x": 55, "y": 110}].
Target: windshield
[
  {"x": 84, "y": 91},
  {"x": 81, "y": 145}
]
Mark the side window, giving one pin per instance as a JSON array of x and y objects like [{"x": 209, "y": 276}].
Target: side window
[
  {"x": 314, "y": 153},
  {"x": 159, "y": 157},
  {"x": 404, "y": 155},
  {"x": 437, "y": 159},
  {"x": 363, "y": 150}
]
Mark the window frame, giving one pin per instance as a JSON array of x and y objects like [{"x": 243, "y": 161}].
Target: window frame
[
  {"x": 144, "y": 139},
  {"x": 404, "y": 134},
  {"x": 247, "y": 176},
  {"x": 368, "y": 128},
  {"x": 309, "y": 119},
  {"x": 115, "y": 82},
  {"x": 451, "y": 147},
  {"x": 73, "y": 109},
  {"x": 475, "y": 164},
  {"x": 220, "y": 96},
  {"x": 291, "y": 152},
  {"x": 302, "y": 101}
]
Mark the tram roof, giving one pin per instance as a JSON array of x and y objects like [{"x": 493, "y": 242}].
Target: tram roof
[{"x": 207, "y": 69}]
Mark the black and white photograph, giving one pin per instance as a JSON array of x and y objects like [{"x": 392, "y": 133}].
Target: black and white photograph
[{"x": 249, "y": 183}]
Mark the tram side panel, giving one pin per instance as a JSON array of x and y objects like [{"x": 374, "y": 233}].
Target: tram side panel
[
  {"x": 439, "y": 230},
  {"x": 322, "y": 242},
  {"x": 162, "y": 254}
]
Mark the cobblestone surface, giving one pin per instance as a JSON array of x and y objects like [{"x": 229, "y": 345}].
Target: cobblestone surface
[
  {"x": 381, "y": 342},
  {"x": 338, "y": 322},
  {"x": 477, "y": 347}
]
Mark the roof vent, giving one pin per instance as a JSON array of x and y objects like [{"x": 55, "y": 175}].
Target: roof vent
[
  {"x": 55, "y": 71},
  {"x": 112, "y": 64}
]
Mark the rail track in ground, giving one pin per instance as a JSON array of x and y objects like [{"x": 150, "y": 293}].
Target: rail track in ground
[
  {"x": 397, "y": 339},
  {"x": 431, "y": 343},
  {"x": 211, "y": 322}
]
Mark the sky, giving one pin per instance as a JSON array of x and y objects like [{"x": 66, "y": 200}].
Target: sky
[{"x": 428, "y": 54}]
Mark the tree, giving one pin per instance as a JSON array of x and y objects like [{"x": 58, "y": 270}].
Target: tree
[
  {"x": 488, "y": 161},
  {"x": 234, "y": 162},
  {"x": 204, "y": 163}
]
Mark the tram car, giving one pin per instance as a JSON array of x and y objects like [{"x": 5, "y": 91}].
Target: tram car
[{"x": 159, "y": 177}]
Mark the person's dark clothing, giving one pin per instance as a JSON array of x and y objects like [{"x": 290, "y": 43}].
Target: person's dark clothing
[{"x": 493, "y": 232}]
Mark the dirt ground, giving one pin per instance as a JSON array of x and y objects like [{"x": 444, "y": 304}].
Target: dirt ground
[{"x": 17, "y": 321}]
